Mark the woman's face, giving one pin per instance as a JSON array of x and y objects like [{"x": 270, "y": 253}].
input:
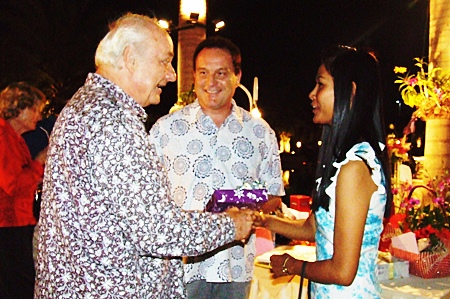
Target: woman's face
[
  {"x": 322, "y": 97},
  {"x": 29, "y": 117}
]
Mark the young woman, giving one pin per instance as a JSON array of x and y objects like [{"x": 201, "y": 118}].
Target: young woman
[{"x": 352, "y": 193}]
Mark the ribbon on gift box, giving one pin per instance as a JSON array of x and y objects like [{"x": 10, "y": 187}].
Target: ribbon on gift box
[
  {"x": 240, "y": 198},
  {"x": 392, "y": 270}
]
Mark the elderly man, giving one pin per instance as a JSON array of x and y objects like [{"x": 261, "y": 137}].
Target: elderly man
[
  {"x": 109, "y": 228},
  {"x": 214, "y": 144}
]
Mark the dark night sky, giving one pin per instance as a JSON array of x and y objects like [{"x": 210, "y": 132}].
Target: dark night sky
[{"x": 280, "y": 41}]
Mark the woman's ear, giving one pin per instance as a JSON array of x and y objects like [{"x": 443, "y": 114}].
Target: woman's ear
[{"x": 353, "y": 94}]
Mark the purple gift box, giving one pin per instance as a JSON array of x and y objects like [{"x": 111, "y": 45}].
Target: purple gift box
[{"x": 239, "y": 198}]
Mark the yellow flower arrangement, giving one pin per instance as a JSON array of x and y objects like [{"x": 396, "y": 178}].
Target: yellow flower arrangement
[{"x": 428, "y": 90}]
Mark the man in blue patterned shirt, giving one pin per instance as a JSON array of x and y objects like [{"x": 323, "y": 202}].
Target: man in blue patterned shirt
[
  {"x": 109, "y": 228},
  {"x": 214, "y": 144}
]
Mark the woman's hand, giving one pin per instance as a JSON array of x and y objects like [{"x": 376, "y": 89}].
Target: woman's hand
[
  {"x": 259, "y": 219},
  {"x": 273, "y": 204},
  {"x": 282, "y": 265}
]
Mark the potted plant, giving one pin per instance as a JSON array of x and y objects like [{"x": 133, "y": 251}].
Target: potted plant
[
  {"x": 427, "y": 215},
  {"x": 428, "y": 91}
]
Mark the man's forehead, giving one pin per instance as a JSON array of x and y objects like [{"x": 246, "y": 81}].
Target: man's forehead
[
  {"x": 162, "y": 45},
  {"x": 217, "y": 58},
  {"x": 213, "y": 68}
]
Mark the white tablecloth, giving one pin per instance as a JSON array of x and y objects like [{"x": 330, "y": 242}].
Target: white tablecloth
[
  {"x": 414, "y": 287},
  {"x": 264, "y": 287}
]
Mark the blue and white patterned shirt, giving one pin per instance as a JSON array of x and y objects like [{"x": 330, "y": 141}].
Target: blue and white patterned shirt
[
  {"x": 107, "y": 220},
  {"x": 200, "y": 158}
]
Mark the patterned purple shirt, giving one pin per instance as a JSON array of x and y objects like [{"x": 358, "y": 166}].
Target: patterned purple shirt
[{"x": 108, "y": 227}]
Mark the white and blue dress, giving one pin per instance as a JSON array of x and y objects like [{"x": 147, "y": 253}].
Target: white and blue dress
[{"x": 365, "y": 284}]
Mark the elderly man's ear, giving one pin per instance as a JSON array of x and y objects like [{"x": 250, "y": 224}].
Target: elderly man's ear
[{"x": 129, "y": 59}]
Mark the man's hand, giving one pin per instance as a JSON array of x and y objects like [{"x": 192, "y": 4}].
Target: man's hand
[
  {"x": 259, "y": 219},
  {"x": 243, "y": 222}
]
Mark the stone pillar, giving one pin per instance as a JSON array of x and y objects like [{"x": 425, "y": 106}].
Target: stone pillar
[
  {"x": 439, "y": 48},
  {"x": 437, "y": 146},
  {"x": 188, "y": 39},
  {"x": 437, "y": 131}
]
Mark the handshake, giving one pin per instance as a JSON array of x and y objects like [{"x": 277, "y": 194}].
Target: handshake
[
  {"x": 243, "y": 220},
  {"x": 246, "y": 219}
]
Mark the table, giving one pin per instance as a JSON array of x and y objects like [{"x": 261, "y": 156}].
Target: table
[
  {"x": 414, "y": 287},
  {"x": 264, "y": 287}
]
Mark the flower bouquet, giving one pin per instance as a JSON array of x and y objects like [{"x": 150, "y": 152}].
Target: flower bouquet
[
  {"x": 428, "y": 90},
  {"x": 427, "y": 216}
]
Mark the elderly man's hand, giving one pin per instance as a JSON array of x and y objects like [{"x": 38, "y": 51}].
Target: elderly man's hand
[{"x": 243, "y": 221}]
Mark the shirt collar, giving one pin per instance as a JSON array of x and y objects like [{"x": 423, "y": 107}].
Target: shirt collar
[
  {"x": 196, "y": 112},
  {"x": 117, "y": 94}
]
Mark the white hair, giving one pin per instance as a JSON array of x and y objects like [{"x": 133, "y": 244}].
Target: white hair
[{"x": 129, "y": 30}]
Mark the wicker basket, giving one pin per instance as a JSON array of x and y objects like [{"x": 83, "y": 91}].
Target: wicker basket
[
  {"x": 426, "y": 264},
  {"x": 431, "y": 265}
]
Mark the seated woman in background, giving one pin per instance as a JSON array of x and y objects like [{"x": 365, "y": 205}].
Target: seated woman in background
[
  {"x": 20, "y": 110},
  {"x": 353, "y": 181}
]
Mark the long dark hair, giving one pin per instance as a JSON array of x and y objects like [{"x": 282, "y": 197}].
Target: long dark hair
[{"x": 353, "y": 121}]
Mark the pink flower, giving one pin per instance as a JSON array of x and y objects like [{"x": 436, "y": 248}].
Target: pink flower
[
  {"x": 413, "y": 81},
  {"x": 441, "y": 186},
  {"x": 438, "y": 200},
  {"x": 414, "y": 201},
  {"x": 438, "y": 92},
  {"x": 395, "y": 191}
]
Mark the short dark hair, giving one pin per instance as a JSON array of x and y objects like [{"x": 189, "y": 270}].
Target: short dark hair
[{"x": 218, "y": 42}]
